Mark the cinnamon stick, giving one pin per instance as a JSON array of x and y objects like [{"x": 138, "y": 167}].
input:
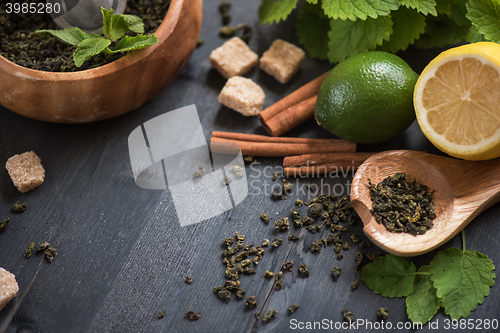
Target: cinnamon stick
[
  {"x": 259, "y": 145},
  {"x": 293, "y": 115},
  {"x": 321, "y": 164}
]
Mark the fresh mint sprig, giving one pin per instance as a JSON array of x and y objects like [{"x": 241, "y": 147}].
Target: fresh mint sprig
[
  {"x": 115, "y": 26},
  {"x": 336, "y": 29},
  {"x": 456, "y": 280}
]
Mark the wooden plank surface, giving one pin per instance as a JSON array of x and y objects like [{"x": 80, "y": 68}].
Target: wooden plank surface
[{"x": 122, "y": 255}]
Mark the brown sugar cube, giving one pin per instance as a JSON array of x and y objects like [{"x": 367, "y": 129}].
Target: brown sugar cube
[
  {"x": 8, "y": 287},
  {"x": 282, "y": 60},
  {"x": 26, "y": 171},
  {"x": 243, "y": 95},
  {"x": 233, "y": 58}
]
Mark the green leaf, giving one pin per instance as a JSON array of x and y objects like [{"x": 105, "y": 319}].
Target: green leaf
[
  {"x": 423, "y": 303},
  {"x": 462, "y": 279},
  {"x": 71, "y": 36},
  {"x": 89, "y": 48},
  {"x": 354, "y": 9},
  {"x": 443, "y": 6},
  {"x": 107, "y": 19},
  {"x": 474, "y": 36},
  {"x": 458, "y": 13},
  {"x": 441, "y": 31},
  {"x": 313, "y": 1},
  {"x": 408, "y": 25},
  {"x": 423, "y": 6},
  {"x": 128, "y": 43},
  {"x": 390, "y": 276},
  {"x": 275, "y": 10},
  {"x": 134, "y": 23},
  {"x": 347, "y": 38},
  {"x": 312, "y": 31},
  {"x": 485, "y": 16}
]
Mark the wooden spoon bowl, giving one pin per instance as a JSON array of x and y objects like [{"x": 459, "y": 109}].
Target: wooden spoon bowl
[
  {"x": 463, "y": 189},
  {"x": 109, "y": 90}
]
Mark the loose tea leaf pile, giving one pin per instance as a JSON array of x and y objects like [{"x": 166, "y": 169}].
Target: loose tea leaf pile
[{"x": 402, "y": 206}]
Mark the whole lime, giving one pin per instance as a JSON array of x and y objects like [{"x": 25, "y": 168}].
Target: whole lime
[{"x": 367, "y": 98}]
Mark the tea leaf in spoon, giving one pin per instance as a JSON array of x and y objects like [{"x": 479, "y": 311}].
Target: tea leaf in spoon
[{"x": 390, "y": 276}]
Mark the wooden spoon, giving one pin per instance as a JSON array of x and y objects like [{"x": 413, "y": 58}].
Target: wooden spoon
[{"x": 463, "y": 189}]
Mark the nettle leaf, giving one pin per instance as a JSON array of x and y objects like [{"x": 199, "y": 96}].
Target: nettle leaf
[
  {"x": 408, "y": 25},
  {"x": 275, "y": 10},
  {"x": 423, "y": 303},
  {"x": 354, "y": 9},
  {"x": 390, "y": 276},
  {"x": 312, "y": 31},
  {"x": 89, "y": 48},
  {"x": 134, "y": 23},
  {"x": 128, "y": 43},
  {"x": 347, "y": 38},
  {"x": 485, "y": 16},
  {"x": 462, "y": 280},
  {"x": 71, "y": 36},
  {"x": 423, "y": 6},
  {"x": 443, "y": 6}
]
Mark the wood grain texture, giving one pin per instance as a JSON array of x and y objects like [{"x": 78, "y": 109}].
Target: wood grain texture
[
  {"x": 122, "y": 255},
  {"x": 109, "y": 90},
  {"x": 462, "y": 190}
]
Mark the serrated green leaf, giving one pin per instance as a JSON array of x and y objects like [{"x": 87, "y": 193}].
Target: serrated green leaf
[
  {"x": 423, "y": 303},
  {"x": 354, "y": 9},
  {"x": 128, "y": 43},
  {"x": 275, "y": 10},
  {"x": 485, "y": 16},
  {"x": 134, "y": 23},
  {"x": 441, "y": 31},
  {"x": 312, "y": 31},
  {"x": 474, "y": 36},
  {"x": 462, "y": 280},
  {"x": 443, "y": 6},
  {"x": 89, "y": 48},
  {"x": 347, "y": 38},
  {"x": 423, "y": 6},
  {"x": 71, "y": 36},
  {"x": 408, "y": 25},
  {"x": 390, "y": 276}
]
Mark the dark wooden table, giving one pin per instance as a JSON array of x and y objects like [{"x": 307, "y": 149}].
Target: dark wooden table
[{"x": 121, "y": 253}]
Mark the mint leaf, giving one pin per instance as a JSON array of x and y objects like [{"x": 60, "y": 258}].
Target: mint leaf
[
  {"x": 390, "y": 276},
  {"x": 347, "y": 38},
  {"x": 462, "y": 279},
  {"x": 441, "y": 31},
  {"x": 443, "y": 6},
  {"x": 275, "y": 10},
  {"x": 408, "y": 25},
  {"x": 423, "y": 6},
  {"x": 71, "y": 36},
  {"x": 423, "y": 303},
  {"x": 128, "y": 43},
  {"x": 89, "y": 48},
  {"x": 485, "y": 16},
  {"x": 474, "y": 36},
  {"x": 312, "y": 31},
  {"x": 353, "y": 9},
  {"x": 134, "y": 23}
]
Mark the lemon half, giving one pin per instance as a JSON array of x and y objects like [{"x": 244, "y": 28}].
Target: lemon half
[{"x": 457, "y": 101}]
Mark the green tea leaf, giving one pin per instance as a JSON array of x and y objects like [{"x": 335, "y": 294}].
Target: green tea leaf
[
  {"x": 423, "y": 303},
  {"x": 312, "y": 31},
  {"x": 347, "y": 38},
  {"x": 71, "y": 36},
  {"x": 275, "y": 10},
  {"x": 423, "y": 6},
  {"x": 408, "y": 25},
  {"x": 89, "y": 48},
  {"x": 462, "y": 279},
  {"x": 485, "y": 16},
  {"x": 354, "y": 9},
  {"x": 443, "y": 6},
  {"x": 390, "y": 276},
  {"x": 128, "y": 43},
  {"x": 134, "y": 23}
]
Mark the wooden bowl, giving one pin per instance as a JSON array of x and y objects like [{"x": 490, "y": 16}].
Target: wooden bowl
[{"x": 110, "y": 90}]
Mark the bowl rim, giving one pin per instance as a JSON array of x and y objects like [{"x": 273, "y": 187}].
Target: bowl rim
[{"x": 164, "y": 31}]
